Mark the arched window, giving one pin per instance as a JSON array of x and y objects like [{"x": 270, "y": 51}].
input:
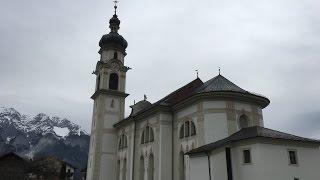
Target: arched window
[
  {"x": 181, "y": 132},
  {"x": 141, "y": 169},
  {"x": 123, "y": 141},
  {"x": 243, "y": 121},
  {"x": 120, "y": 143},
  {"x": 192, "y": 129},
  {"x": 151, "y": 135},
  {"x": 151, "y": 168},
  {"x": 147, "y": 135},
  {"x": 113, "y": 81},
  {"x": 187, "y": 129},
  {"x": 115, "y": 55}
]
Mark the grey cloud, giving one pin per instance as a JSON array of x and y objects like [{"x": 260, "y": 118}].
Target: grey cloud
[{"x": 48, "y": 50}]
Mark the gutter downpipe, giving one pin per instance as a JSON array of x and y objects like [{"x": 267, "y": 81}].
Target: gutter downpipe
[
  {"x": 209, "y": 164},
  {"x": 229, "y": 163}
]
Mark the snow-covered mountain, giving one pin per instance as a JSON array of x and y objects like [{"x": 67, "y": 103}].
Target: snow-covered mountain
[{"x": 43, "y": 135}]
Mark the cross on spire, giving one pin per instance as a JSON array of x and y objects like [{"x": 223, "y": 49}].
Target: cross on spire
[
  {"x": 115, "y": 6},
  {"x": 197, "y": 71},
  {"x": 219, "y": 70}
]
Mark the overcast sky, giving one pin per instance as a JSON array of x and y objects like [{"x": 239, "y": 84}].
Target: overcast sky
[{"x": 48, "y": 50}]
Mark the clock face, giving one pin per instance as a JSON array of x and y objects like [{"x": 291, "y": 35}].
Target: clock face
[{"x": 115, "y": 66}]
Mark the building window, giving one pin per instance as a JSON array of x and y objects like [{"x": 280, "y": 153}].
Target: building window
[
  {"x": 187, "y": 129},
  {"x": 113, "y": 81},
  {"x": 246, "y": 156},
  {"x": 115, "y": 55},
  {"x": 123, "y": 141},
  {"x": 293, "y": 157},
  {"x": 147, "y": 135},
  {"x": 243, "y": 121}
]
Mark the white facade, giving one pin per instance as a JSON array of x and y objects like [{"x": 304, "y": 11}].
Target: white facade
[{"x": 270, "y": 160}]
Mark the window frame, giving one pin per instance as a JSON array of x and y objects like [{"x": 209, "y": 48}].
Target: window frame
[
  {"x": 295, "y": 157},
  {"x": 246, "y": 119},
  {"x": 114, "y": 81},
  {"x": 244, "y": 156},
  {"x": 147, "y": 135},
  {"x": 187, "y": 129}
]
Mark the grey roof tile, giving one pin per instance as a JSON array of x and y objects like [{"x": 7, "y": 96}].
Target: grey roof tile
[
  {"x": 219, "y": 83},
  {"x": 250, "y": 133}
]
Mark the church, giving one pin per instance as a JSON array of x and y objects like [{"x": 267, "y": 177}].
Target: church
[{"x": 212, "y": 130}]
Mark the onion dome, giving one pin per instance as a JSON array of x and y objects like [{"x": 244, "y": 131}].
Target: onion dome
[{"x": 113, "y": 39}]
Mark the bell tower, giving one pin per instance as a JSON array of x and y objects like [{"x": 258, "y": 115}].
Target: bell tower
[{"x": 109, "y": 103}]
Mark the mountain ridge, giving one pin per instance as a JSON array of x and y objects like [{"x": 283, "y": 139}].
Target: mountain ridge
[{"x": 43, "y": 135}]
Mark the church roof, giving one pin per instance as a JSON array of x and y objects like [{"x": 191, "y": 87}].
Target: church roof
[
  {"x": 218, "y": 85},
  {"x": 251, "y": 133},
  {"x": 182, "y": 93}
]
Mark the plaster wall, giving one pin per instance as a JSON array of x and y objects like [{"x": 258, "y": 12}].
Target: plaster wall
[
  {"x": 271, "y": 161},
  {"x": 107, "y": 167},
  {"x": 186, "y": 111},
  {"x": 215, "y": 127},
  {"x": 199, "y": 168},
  {"x": 218, "y": 165},
  {"x": 165, "y": 147},
  {"x": 307, "y": 168}
]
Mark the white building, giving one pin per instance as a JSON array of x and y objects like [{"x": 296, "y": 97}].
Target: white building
[{"x": 216, "y": 123}]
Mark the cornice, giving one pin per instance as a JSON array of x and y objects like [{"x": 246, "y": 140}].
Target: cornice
[
  {"x": 223, "y": 95},
  {"x": 101, "y": 64},
  {"x": 109, "y": 92}
]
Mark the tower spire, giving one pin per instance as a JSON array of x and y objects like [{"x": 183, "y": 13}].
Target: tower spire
[
  {"x": 114, "y": 23},
  {"x": 115, "y": 7}
]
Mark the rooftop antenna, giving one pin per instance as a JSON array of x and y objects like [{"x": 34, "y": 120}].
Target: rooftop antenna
[
  {"x": 145, "y": 97},
  {"x": 219, "y": 70},
  {"x": 197, "y": 71},
  {"x": 115, "y": 6}
]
